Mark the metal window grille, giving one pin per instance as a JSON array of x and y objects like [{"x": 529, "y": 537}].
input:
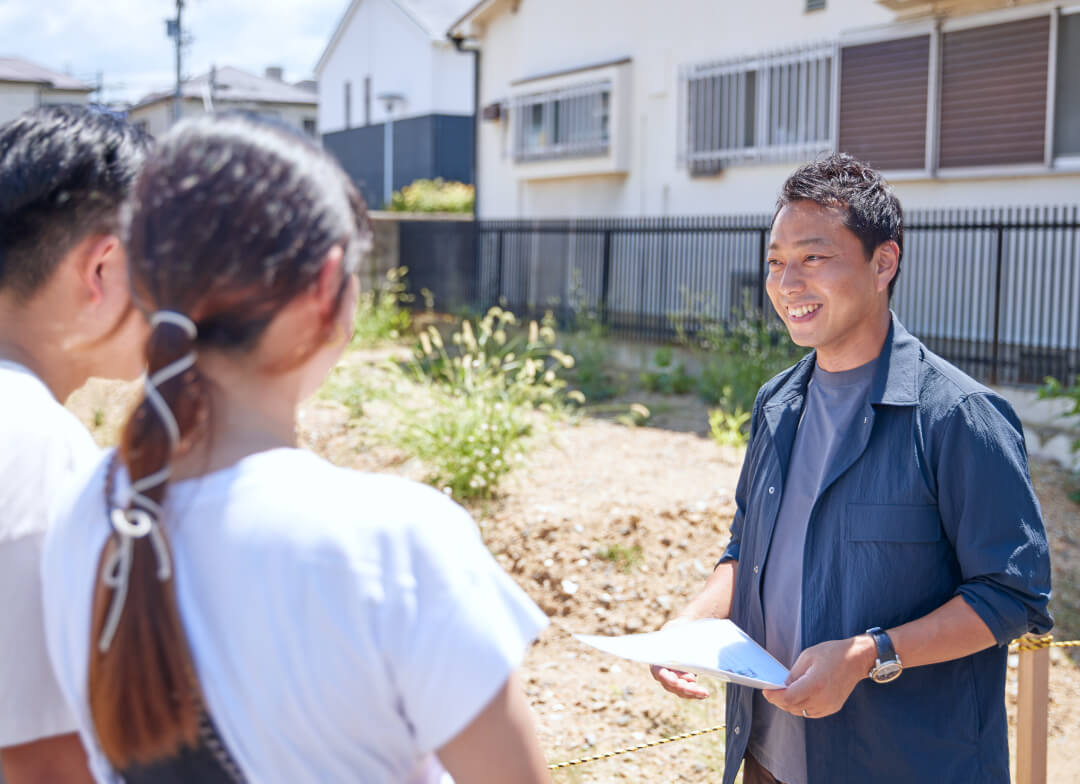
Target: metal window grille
[
  {"x": 774, "y": 107},
  {"x": 568, "y": 123}
]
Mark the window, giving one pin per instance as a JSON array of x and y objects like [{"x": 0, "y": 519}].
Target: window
[
  {"x": 775, "y": 107},
  {"x": 1067, "y": 104},
  {"x": 309, "y": 126},
  {"x": 993, "y": 94},
  {"x": 815, "y": 5},
  {"x": 883, "y": 102},
  {"x": 567, "y": 123}
]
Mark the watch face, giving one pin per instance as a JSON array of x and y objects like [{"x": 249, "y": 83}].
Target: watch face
[{"x": 886, "y": 671}]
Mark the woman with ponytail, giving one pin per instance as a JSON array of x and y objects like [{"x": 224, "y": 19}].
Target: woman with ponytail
[{"x": 224, "y": 607}]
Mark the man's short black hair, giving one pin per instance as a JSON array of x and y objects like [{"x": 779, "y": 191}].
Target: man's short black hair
[
  {"x": 65, "y": 173},
  {"x": 871, "y": 210}
]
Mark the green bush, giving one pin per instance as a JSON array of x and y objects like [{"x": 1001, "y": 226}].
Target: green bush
[
  {"x": 466, "y": 443},
  {"x": 737, "y": 359},
  {"x": 729, "y": 428},
  {"x": 434, "y": 196},
  {"x": 666, "y": 381},
  {"x": 1053, "y": 388},
  {"x": 481, "y": 395},
  {"x": 381, "y": 314},
  {"x": 592, "y": 372}
]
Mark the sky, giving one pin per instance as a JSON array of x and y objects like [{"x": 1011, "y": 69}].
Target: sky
[{"x": 125, "y": 40}]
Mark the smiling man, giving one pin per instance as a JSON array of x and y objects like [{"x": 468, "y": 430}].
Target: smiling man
[{"x": 887, "y": 543}]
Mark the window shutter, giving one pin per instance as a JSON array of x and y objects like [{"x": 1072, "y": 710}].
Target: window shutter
[
  {"x": 883, "y": 94},
  {"x": 1067, "y": 109},
  {"x": 993, "y": 94}
]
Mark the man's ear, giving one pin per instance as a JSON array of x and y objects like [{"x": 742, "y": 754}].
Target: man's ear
[
  {"x": 96, "y": 254},
  {"x": 328, "y": 284},
  {"x": 886, "y": 261}
]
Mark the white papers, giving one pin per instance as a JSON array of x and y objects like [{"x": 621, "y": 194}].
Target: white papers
[{"x": 711, "y": 646}]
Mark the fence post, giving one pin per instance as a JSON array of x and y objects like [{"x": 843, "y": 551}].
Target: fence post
[
  {"x": 997, "y": 305},
  {"x": 605, "y": 279},
  {"x": 1032, "y": 722}
]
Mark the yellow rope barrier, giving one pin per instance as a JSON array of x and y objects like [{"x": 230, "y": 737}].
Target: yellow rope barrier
[
  {"x": 1021, "y": 644},
  {"x": 639, "y": 747},
  {"x": 1039, "y": 643}
]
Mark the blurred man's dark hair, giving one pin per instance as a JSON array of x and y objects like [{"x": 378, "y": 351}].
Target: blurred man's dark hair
[{"x": 65, "y": 173}]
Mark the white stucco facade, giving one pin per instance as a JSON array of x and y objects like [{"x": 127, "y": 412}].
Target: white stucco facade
[
  {"x": 524, "y": 41},
  {"x": 17, "y": 98},
  {"x": 379, "y": 44},
  {"x": 157, "y": 117}
]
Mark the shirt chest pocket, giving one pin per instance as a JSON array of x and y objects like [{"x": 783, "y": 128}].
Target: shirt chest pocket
[{"x": 898, "y": 523}]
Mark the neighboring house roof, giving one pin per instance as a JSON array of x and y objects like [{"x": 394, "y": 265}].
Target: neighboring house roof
[
  {"x": 434, "y": 17},
  {"x": 15, "y": 69},
  {"x": 462, "y": 26},
  {"x": 232, "y": 84}
]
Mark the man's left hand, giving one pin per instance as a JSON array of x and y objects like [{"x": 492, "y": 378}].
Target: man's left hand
[{"x": 824, "y": 676}]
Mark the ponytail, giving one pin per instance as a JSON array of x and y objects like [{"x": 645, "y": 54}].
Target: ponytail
[{"x": 145, "y": 700}]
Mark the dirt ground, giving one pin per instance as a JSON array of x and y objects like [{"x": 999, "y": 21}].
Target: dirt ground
[{"x": 611, "y": 529}]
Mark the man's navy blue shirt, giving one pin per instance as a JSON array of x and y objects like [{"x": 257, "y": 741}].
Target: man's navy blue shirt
[{"x": 929, "y": 498}]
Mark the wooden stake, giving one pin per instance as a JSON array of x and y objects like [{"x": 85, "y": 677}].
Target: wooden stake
[{"x": 1032, "y": 721}]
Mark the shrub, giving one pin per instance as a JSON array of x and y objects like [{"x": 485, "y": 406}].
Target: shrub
[
  {"x": 434, "y": 196},
  {"x": 1053, "y": 388},
  {"x": 666, "y": 381},
  {"x": 729, "y": 428},
  {"x": 466, "y": 443},
  {"x": 482, "y": 395},
  {"x": 592, "y": 373},
  {"x": 381, "y": 313},
  {"x": 738, "y": 358}
]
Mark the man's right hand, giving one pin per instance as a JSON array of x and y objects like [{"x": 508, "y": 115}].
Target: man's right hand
[
  {"x": 714, "y": 601},
  {"x": 681, "y": 684}
]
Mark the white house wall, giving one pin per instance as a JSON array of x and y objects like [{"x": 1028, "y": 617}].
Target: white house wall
[
  {"x": 452, "y": 80},
  {"x": 16, "y": 99},
  {"x": 158, "y": 115},
  {"x": 381, "y": 41},
  {"x": 540, "y": 38}
]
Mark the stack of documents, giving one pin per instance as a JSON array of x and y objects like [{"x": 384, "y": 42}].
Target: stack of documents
[{"x": 708, "y": 647}]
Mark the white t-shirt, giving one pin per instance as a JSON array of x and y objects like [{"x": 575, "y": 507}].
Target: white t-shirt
[
  {"x": 343, "y": 625},
  {"x": 42, "y": 446}
]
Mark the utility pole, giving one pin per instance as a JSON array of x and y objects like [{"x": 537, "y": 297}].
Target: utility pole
[{"x": 174, "y": 29}]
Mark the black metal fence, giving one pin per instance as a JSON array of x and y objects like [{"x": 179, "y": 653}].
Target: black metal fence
[{"x": 994, "y": 290}]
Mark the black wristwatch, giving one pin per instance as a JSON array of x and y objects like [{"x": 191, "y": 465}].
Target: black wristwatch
[{"x": 887, "y": 666}]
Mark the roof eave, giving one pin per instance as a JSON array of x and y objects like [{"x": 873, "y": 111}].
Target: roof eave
[{"x": 465, "y": 26}]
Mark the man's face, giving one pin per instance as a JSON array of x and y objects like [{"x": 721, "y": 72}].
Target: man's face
[{"x": 828, "y": 294}]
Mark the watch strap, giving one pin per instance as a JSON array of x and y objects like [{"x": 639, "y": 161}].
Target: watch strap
[{"x": 885, "y": 650}]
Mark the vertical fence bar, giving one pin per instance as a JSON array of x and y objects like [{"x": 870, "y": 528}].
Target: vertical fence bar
[
  {"x": 605, "y": 277},
  {"x": 995, "y": 353},
  {"x": 1032, "y": 720}
]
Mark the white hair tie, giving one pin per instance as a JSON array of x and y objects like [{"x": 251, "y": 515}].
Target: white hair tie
[
  {"x": 178, "y": 319},
  {"x": 140, "y": 515}
]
